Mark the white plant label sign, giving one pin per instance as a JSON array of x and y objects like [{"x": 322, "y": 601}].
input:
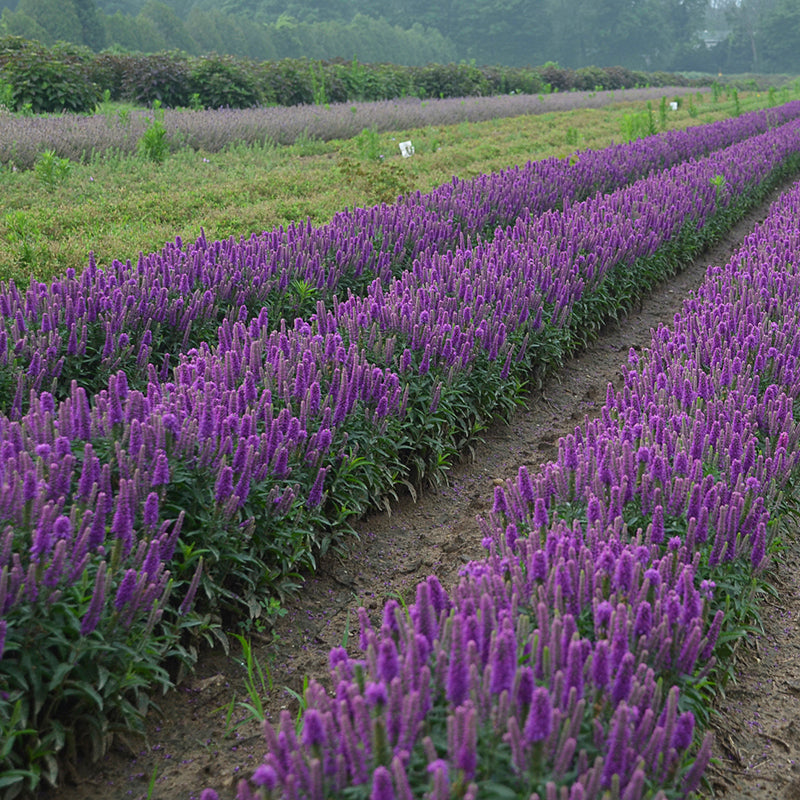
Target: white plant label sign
[{"x": 406, "y": 149}]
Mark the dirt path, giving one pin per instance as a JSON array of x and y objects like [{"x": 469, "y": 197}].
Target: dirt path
[{"x": 199, "y": 743}]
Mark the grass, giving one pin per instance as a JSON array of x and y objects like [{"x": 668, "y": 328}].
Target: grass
[{"x": 119, "y": 206}]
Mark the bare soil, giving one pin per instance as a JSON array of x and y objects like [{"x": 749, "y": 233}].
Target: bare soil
[{"x": 196, "y": 742}]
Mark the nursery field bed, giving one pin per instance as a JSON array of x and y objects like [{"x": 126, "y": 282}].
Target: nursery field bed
[
  {"x": 114, "y": 205},
  {"x": 206, "y": 737}
]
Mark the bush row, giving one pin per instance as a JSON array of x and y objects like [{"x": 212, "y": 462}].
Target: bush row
[
  {"x": 579, "y": 659},
  {"x": 216, "y": 480},
  {"x": 71, "y": 78}
]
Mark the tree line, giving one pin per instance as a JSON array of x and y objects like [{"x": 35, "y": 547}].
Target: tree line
[{"x": 701, "y": 35}]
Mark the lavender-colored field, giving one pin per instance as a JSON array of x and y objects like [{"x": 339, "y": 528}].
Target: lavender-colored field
[
  {"x": 563, "y": 665},
  {"x": 248, "y": 444},
  {"x": 80, "y": 137}
]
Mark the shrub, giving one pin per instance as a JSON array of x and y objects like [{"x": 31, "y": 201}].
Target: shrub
[
  {"x": 108, "y": 70},
  {"x": 590, "y": 78},
  {"x": 223, "y": 82},
  {"x": 153, "y": 144},
  {"x": 163, "y": 77},
  {"x": 43, "y": 80},
  {"x": 286, "y": 82},
  {"x": 559, "y": 78},
  {"x": 450, "y": 80},
  {"x": 51, "y": 170},
  {"x": 620, "y": 78},
  {"x": 510, "y": 80}
]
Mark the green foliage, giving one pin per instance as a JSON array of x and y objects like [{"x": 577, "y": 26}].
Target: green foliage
[
  {"x": 381, "y": 181},
  {"x": 718, "y": 181},
  {"x": 46, "y": 80},
  {"x": 164, "y": 77},
  {"x": 450, "y": 80},
  {"x": 638, "y": 124},
  {"x": 6, "y": 96},
  {"x": 222, "y": 82},
  {"x": 25, "y": 237},
  {"x": 51, "y": 170},
  {"x": 153, "y": 144},
  {"x": 368, "y": 143},
  {"x": 64, "y": 694},
  {"x": 317, "y": 75},
  {"x": 662, "y": 113},
  {"x": 571, "y": 137}
]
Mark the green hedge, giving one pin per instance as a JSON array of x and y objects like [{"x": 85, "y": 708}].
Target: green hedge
[{"x": 68, "y": 78}]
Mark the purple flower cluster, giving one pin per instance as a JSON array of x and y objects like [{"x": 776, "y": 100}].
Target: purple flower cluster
[
  {"x": 245, "y": 436},
  {"x": 270, "y": 409},
  {"x": 554, "y": 666},
  {"x": 131, "y": 316},
  {"x": 496, "y": 297},
  {"x": 257, "y": 407}
]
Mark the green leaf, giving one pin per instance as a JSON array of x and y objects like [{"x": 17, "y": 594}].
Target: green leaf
[{"x": 14, "y": 776}]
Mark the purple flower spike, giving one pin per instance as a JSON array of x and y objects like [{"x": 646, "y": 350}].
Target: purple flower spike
[
  {"x": 441, "y": 779},
  {"x": 623, "y": 680},
  {"x": 500, "y": 504},
  {"x": 600, "y": 665},
  {"x": 692, "y": 778},
  {"x": 375, "y": 694},
  {"x": 504, "y": 661},
  {"x": 187, "y": 601},
  {"x": 160, "y": 474},
  {"x": 243, "y": 791},
  {"x": 92, "y": 616},
  {"x": 382, "y": 788},
  {"x": 313, "y": 728},
  {"x": 525, "y": 485},
  {"x": 684, "y": 730},
  {"x": 126, "y": 590},
  {"x": 150, "y": 511},
  {"x": 540, "y": 718},
  {"x": 315, "y": 496},
  {"x": 265, "y": 777},
  {"x": 657, "y": 535},
  {"x": 224, "y": 486},
  {"x": 616, "y": 746},
  {"x": 540, "y": 517},
  {"x": 388, "y": 661},
  {"x": 458, "y": 668}
]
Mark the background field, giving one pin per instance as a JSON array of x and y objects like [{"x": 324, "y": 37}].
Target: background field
[{"x": 117, "y": 206}]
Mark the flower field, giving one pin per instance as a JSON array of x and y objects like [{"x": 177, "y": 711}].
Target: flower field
[
  {"x": 182, "y": 436},
  {"x": 571, "y": 661}
]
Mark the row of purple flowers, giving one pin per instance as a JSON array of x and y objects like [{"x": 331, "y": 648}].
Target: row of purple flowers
[
  {"x": 564, "y": 664},
  {"x": 128, "y": 316},
  {"x": 266, "y": 413},
  {"x": 226, "y": 475}
]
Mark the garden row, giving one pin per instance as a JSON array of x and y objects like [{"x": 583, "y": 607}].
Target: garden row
[
  {"x": 578, "y": 659},
  {"x": 82, "y": 137},
  {"x": 136, "y": 317},
  {"x": 214, "y": 482},
  {"x": 72, "y": 78}
]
